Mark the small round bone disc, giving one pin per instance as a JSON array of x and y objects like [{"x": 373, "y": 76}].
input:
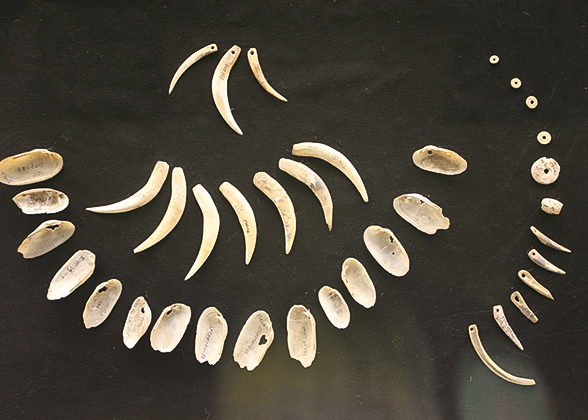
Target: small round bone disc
[
  {"x": 494, "y": 59},
  {"x": 515, "y": 83},
  {"x": 531, "y": 102},
  {"x": 544, "y": 137},
  {"x": 545, "y": 170}
]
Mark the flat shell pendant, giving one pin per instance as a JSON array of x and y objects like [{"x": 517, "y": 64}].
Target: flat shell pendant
[
  {"x": 301, "y": 335},
  {"x": 211, "y": 333},
  {"x": 170, "y": 327},
  {"x": 48, "y": 235},
  {"x": 438, "y": 160},
  {"x": 545, "y": 170},
  {"x": 254, "y": 340},
  {"x": 358, "y": 282},
  {"x": 30, "y": 167},
  {"x": 101, "y": 302},
  {"x": 334, "y": 306},
  {"x": 386, "y": 250},
  {"x": 41, "y": 201},
  {"x": 421, "y": 212},
  {"x": 72, "y": 275},
  {"x": 137, "y": 323}
]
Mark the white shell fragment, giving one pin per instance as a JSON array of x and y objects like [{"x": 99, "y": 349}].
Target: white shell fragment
[
  {"x": 421, "y": 212},
  {"x": 137, "y": 323},
  {"x": 27, "y": 168},
  {"x": 72, "y": 275},
  {"x": 170, "y": 327},
  {"x": 201, "y": 53},
  {"x": 538, "y": 259},
  {"x": 500, "y": 319},
  {"x": 544, "y": 239},
  {"x": 515, "y": 83},
  {"x": 545, "y": 170},
  {"x": 441, "y": 161},
  {"x": 386, "y": 250},
  {"x": 494, "y": 59},
  {"x": 335, "y": 307},
  {"x": 301, "y": 328},
  {"x": 551, "y": 206},
  {"x": 244, "y": 214},
  {"x": 544, "y": 137},
  {"x": 41, "y": 201},
  {"x": 211, "y": 333},
  {"x": 358, "y": 282},
  {"x": 531, "y": 102},
  {"x": 530, "y": 281},
  {"x": 520, "y": 303},
  {"x": 220, "y": 81},
  {"x": 101, "y": 303},
  {"x": 256, "y": 69},
  {"x": 255, "y": 338},
  {"x": 141, "y": 197},
  {"x": 47, "y": 236}
]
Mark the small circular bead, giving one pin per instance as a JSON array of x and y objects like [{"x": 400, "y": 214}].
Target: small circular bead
[
  {"x": 532, "y": 102},
  {"x": 515, "y": 83},
  {"x": 544, "y": 137},
  {"x": 494, "y": 59}
]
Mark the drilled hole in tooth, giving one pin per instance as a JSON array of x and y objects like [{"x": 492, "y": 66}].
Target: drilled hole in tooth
[{"x": 517, "y": 298}]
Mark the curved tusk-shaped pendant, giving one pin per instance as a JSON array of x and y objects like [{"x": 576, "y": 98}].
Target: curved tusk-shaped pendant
[
  {"x": 245, "y": 214},
  {"x": 543, "y": 263},
  {"x": 174, "y": 212},
  {"x": 256, "y": 69},
  {"x": 544, "y": 239},
  {"x": 275, "y": 192},
  {"x": 520, "y": 303},
  {"x": 500, "y": 319},
  {"x": 308, "y": 177},
  {"x": 530, "y": 281},
  {"x": 335, "y": 158},
  {"x": 141, "y": 197},
  {"x": 211, "y": 226},
  {"x": 220, "y": 80},
  {"x": 475, "y": 338},
  {"x": 201, "y": 53}
]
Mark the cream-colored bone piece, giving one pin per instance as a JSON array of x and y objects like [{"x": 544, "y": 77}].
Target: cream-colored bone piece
[
  {"x": 421, "y": 212},
  {"x": 244, "y": 214},
  {"x": 256, "y": 69},
  {"x": 531, "y": 102},
  {"x": 494, "y": 59},
  {"x": 175, "y": 209},
  {"x": 301, "y": 328},
  {"x": 201, "y": 53},
  {"x": 544, "y": 137},
  {"x": 358, "y": 282},
  {"x": 515, "y": 83},
  {"x": 502, "y": 322},
  {"x": 551, "y": 206},
  {"x": 137, "y": 323},
  {"x": 211, "y": 226},
  {"x": 475, "y": 339},
  {"x": 41, "y": 201},
  {"x": 47, "y": 236},
  {"x": 545, "y": 170},
  {"x": 386, "y": 250},
  {"x": 335, "y": 307},
  {"x": 255, "y": 338},
  {"x": 220, "y": 81},
  {"x": 275, "y": 192},
  {"x": 308, "y": 177},
  {"x": 101, "y": 303},
  {"x": 540, "y": 260},
  {"x": 170, "y": 327},
  {"x": 211, "y": 333},
  {"x": 520, "y": 303},
  {"x": 441, "y": 161},
  {"x": 530, "y": 281},
  {"x": 141, "y": 197},
  {"x": 544, "y": 239},
  {"x": 27, "y": 168},
  {"x": 335, "y": 158},
  {"x": 72, "y": 275}
]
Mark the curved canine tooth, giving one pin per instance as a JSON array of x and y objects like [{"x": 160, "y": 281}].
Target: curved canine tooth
[
  {"x": 543, "y": 263},
  {"x": 256, "y": 69},
  {"x": 174, "y": 212},
  {"x": 137, "y": 322},
  {"x": 101, "y": 303},
  {"x": 500, "y": 319},
  {"x": 170, "y": 327},
  {"x": 475, "y": 338},
  {"x": 255, "y": 338},
  {"x": 307, "y": 176},
  {"x": 520, "y": 303},
  {"x": 47, "y": 236},
  {"x": 211, "y": 226},
  {"x": 275, "y": 192},
  {"x": 301, "y": 328},
  {"x": 211, "y": 333},
  {"x": 335, "y": 158},
  {"x": 547, "y": 241},
  {"x": 201, "y": 53},
  {"x": 530, "y": 281},
  {"x": 245, "y": 214},
  {"x": 141, "y": 197},
  {"x": 219, "y": 86}
]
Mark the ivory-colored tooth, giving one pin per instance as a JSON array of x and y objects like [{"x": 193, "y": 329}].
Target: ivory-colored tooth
[
  {"x": 530, "y": 281},
  {"x": 421, "y": 212},
  {"x": 475, "y": 339},
  {"x": 41, "y": 201},
  {"x": 101, "y": 303},
  {"x": 275, "y": 192},
  {"x": 335, "y": 158},
  {"x": 211, "y": 226},
  {"x": 219, "y": 86},
  {"x": 335, "y": 307},
  {"x": 211, "y": 333},
  {"x": 170, "y": 327},
  {"x": 520, "y": 303},
  {"x": 141, "y": 197},
  {"x": 358, "y": 282},
  {"x": 500, "y": 319},
  {"x": 72, "y": 275},
  {"x": 301, "y": 328},
  {"x": 256, "y": 69},
  {"x": 33, "y": 166},
  {"x": 137, "y": 323},
  {"x": 551, "y": 206},
  {"x": 441, "y": 161},
  {"x": 254, "y": 339},
  {"x": 175, "y": 209},
  {"x": 544, "y": 239},
  {"x": 308, "y": 177},
  {"x": 201, "y": 53},
  {"x": 540, "y": 260},
  {"x": 545, "y": 170},
  {"x": 47, "y": 236},
  {"x": 244, "y": 214},
  {"x": 386, "y": 250}
]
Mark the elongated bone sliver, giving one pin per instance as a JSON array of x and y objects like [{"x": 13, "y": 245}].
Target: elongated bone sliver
[
  {"x": 201, "y": 53},
  {"x": 500, "y": 319},
  {"x": 27, "y": 168},
  {"x": 441, "y": 161},
  {"x": 540, "y": 260},
  {"x": 47, "y": 236},
  {"x": 335, "y": 307},
  {"x": 386, "y": 250},
  {"x": 101, "y": 303},
  {"x": 520, "y": 303},
  {"x": 275, "y": 192},
  {"x": 301, "y": 328},
  {"x": 245, "y": 214},
  {"x": 530, "y": 281},
  {"x": 72, "y": 275},
  {"x": 170, "y": 327},
  {"x": 255, "y": 338},
  {"x": 141, "y": 197},
  {"x": 256, "y": 69},
  {"x": 211, "y": 333},
  {"x": 137, "y": 323},
  {"x": 551, "y": 206},
  {"x": 175, "y": 209},
  {"x": 421, "y": 212},
  {"x": 308, "y": 177},
  {"x": 358, "y": 282},
  {"x": 41, "y": 201},
  {"x": 475, "y": 339},
  {"x": 220, "y": 81},
  {"x": 544, "y": 239},
  {"x": 211, "y": 226},
  {"x": 335, "y": 158}
]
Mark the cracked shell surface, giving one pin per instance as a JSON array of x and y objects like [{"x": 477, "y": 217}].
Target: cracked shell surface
[
  {"x": 545, "y": 170},
  {"x": 41, "y": 201},
  {"x": 421, "y": 212},
  {"x": 386, "y": 250},
  {"x": 72, "y": 275},
  {"x": 442, "y": 161},
  {"x": 211, "y": 333},
  {"x": 137, "y": 323},
  {"x": 101, "y": 302},
  {"x": 170, "y": 327},
  {"x": 254, "y": 339},
  {"x": 27, "y": 168},
  {"x": 301, "y": 328},
  {"x": 47, "y": 236},
  {"x": 358, "y": 282}
]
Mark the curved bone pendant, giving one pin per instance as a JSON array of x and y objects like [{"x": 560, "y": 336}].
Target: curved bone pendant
[
  {"x": 174, "y": 212},
  {"x": 335, "y": 307},
  {"x": 545, "y": 170},
  {"x": 48, "y": 235},
  {"x": 543, "y": 263},
  {"x": 275, "y": 192},
  {"x": 530, "y": 281},
  {"x": 27, "y": 168},
  {"x": 358, "y": 282},
  {"x": 475, "y": 339},
  {"x": 301, "y": 328},
  {"x": 137, "y": 322},
  {"x": 201, "y": 53},
  {"x": 520, "y": 303},
  {"x": 256, "y": 69},
  {"x": 544, "y": 239},
  {"x": 245, "y": 214},
  {"x": 551, "y": 206},
  {"x": 500, "y": 319},
  {"x": 335, "y": 158},
  {"x": 211, "y": 226},
  {"x": 211, "y": 333},
  {"x": 421, "y": 212},
  {"x": 141, "y": 197},
  {"x": 72, "y": 275},
  {"x": 170, "y": 327},
  {"x": 101, "y": 303},
  {"x": 41, "y": 201},
  {"x": 219, "y": 86},
  {"x": 386, "y": 250},
  {"x": 308, "y": 177},
  {"x": 254, "y": 340},
  {"x": 438, "y": 160}
]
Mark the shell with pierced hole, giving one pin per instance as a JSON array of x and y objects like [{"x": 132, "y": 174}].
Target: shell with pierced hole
[
  {"x": 386, "y": 250},
  {"x": 101, "y": 303},
  {"x": 170, "y": 327},
  {"x": 47, "y": 236},
  {"x": 255, "y": 338},
  {"x": 421, "y": 212},
  {"x": 438, "y": 160}
]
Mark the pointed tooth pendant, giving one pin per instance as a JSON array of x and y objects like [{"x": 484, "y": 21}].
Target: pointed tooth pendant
[
  {"x": 256, "y": 69},
  {"x": 520, "y": 303},
  {"x": 530, "y": 281},
  {"x": 544, "y": 239},
  {"x": 500, "y": 319},
  {"x": 245, "y": 214},
  {"x": 538, "y": 259},
  {"x": 201, "y": 53},
  {"x": 220, "y": 81}
]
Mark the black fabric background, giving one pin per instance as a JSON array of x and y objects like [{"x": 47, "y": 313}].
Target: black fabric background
[{"x": 376, "y": 80}]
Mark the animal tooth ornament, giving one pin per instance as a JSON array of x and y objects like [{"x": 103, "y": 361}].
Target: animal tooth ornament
[
  {"x": 170, "y": 327},
  {"x": 358, "y": 282},
  {"x": 220, "y": 81},
  {"x": 201, "y": 53},
  {"x": 544, "y": 239},
  {"x": 386, "y": 250},
  {"x": 545, "y": 170},
  {"x": 335, "y": 307},
  {"x": 551, "y": 206},
  {"x": 301, "y": 328},
  {"x": 538, "y": 259},
  {"x": 101, "y": 303},
  {"x": 211, "y": 333},
  {"x": 27, "y": 168},
  {"x": 256, "y": 69},
  {"x": 500, "y": 319},
  {"x": 41, "y": 201},
  {"x": 421, "y": 212},
  {"x": 244, "y": 214},
  {"x": 137, "y": 323},
  {"x": 438, "y": 160},
  {"x": 72, "y": 275},
  {"x": 255, "y": 338},
  {"x": 530, "y": 281},
  {"x": 47, "y": 236},
  {"x": 520, "y": 303}
]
